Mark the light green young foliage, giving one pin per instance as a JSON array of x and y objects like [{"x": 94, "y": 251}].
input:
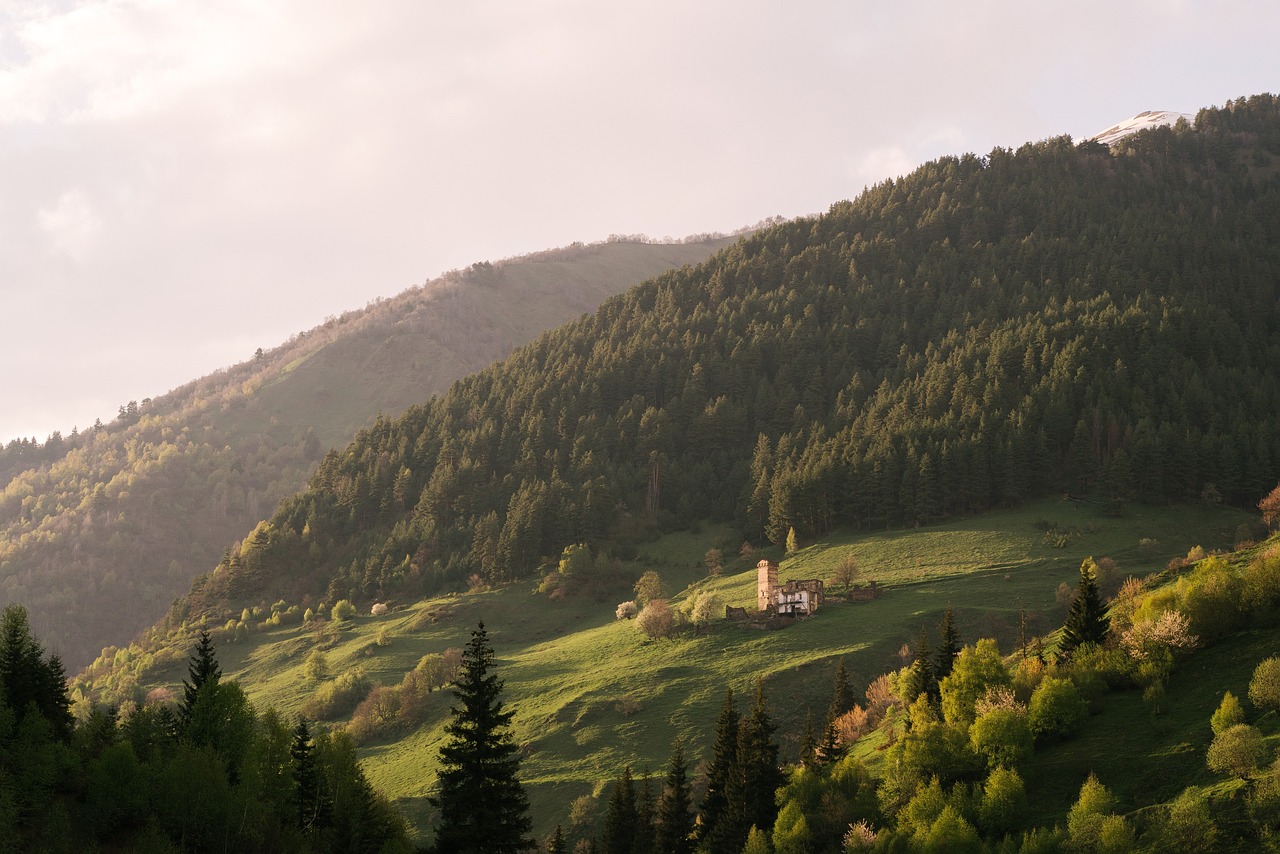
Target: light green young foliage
[
  {"x": 1189, "y": 825},
  {"x": 758, "y": 842},
  {"x": 976, "y": 669},
  {"x": 1085, "y": 819},
  {"x": 316, "y": 667},
  {"x": 923, "y": 809},
  {"x": 1264, "y": 688},
  {"x": 1003, "y": 806},
  {"x": 1228, "y": 714},
  {"x": 1056, "y": 709},
  {"x": 950, "y": 834},
  {"x": 1237, "y": 751},
  {"x": 1003, "y": 736},
  {"x": 706, "y": 608},
  {"x": 650, "y": 588},
  {"x": 791, "y": 831}
]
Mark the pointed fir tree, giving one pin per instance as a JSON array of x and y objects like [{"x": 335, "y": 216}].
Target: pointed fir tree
[
  {"x": 202, "y": 670},
  {"x": 842, "y": 699},
  {"x": 308, "y": 793},
  {"x": 809, "y": 743},
  {"x": 1022, "y": 630},
  {"x": 27, "y": 678},
  {"x": 1087, "y": 620},
  {"x": 622, "y": 819},
  {"x": 483, "y": 807},
  {"x": 723, "y": 759},
  {"x": 758, "y": 754},
  {"x": 948, "y": 645},
  {"x": 925, "y": 666},
  {"x": 645, "y": 809},
  {"x": 829, "y": 749},
  {"x": 673, "y": 825},
  {"x": 753, "y": 781},
  {"x": 556, "y": 843}
]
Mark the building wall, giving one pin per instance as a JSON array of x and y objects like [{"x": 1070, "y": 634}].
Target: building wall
[{"x": 766, "y": 584}]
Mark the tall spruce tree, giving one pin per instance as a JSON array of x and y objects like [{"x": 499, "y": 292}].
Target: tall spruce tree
[
  {"x": 842, "y": 699},
  {"x": 27, "y": 678},
  {"x": 758, "y": 754},
  {"x": 556, "y": 843},
  {"x": 754, "y": 779},
  {"x": 673, "y": 831},
  {"x": 723, "y": 758},
  {"x": 645, "y": 810},
  {"x": 309, "y": 793},
  {"x": 926, "y": 667},
  {"x": 622, "y": 819},
  {"x": 202, "y": 669},
  {"x": 1087, "y": 620},
  {"x": 948, "y": 645},
  {"x": 809, "y": 742},
  {"x": 483, "y": 807}
]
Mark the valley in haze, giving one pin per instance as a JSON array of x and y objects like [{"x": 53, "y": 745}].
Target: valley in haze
[{"x": 101, "y": 530}]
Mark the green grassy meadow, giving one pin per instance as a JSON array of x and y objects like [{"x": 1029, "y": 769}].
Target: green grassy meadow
[{"x": 591, "y": 694}]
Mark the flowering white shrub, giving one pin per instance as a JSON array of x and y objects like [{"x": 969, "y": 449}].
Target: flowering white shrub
[{"x": 1171, "y": 630}]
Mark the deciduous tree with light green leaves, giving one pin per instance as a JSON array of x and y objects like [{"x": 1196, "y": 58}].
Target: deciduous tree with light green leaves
[{"x": 1264, "y": 687}]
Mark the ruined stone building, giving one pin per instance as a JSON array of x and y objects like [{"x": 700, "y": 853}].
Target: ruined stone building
[{"x": 797, "y": 598}]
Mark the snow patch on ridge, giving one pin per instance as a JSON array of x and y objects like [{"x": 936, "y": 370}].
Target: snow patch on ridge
[{"x": 1142, "y": 121}]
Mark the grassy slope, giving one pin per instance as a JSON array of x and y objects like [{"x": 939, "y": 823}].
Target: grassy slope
[
  {"x": 567, "y": 664},
  {"x": 1168, "y": 748}
]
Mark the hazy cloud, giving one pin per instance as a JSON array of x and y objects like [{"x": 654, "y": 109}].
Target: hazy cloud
[{"x": 181, "y": 182}]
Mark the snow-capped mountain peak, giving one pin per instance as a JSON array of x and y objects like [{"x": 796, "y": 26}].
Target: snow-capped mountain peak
[{"x": 1142, "y": 121}]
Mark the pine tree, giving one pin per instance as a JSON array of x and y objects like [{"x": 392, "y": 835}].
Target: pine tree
[
  {"x": 723, "y": 758},
  {"x": 842, "y": 699},
  {"x": 809, "y": 743},
  {"x": 753, "y": 781},
  {"x": 758, "y": 754},
  {"x": 829, "y": 749},
  {"x": 26, "y": 678},
  {"x": 622, "y": 819},
  {"x": 1087, "y": 620},
  {"x": 202, "y": 670},
  {"x": 645, "y": 809},
  {"x": 673, "y": 833},
  {"x": 925, "y": 666},
  {"x": 309, "y": 793},
  {"x": 948, "y": 645},
  {"x": 483, "y": 807},
  {"x": 556, "y": 844}
]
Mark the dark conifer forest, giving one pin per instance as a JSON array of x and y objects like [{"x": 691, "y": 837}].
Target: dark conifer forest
[
  {"x": 210, "y": 773},
  {"x": 1063, "y": 318}
]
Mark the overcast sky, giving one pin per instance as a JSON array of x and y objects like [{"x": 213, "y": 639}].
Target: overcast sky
[{"x": 183, "y": 182}]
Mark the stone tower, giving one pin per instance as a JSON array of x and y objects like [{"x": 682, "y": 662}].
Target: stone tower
[{"x": 766, "y": 584}]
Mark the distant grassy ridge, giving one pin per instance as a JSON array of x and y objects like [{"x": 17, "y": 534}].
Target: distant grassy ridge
[
  {"x": 568, "y": 665},
  {"x": 100, "y": 533}
]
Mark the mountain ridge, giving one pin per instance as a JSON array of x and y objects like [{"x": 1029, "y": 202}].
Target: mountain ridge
[
  {"x": 101, "y": 530},
  {"x": 922, "y": 351}
]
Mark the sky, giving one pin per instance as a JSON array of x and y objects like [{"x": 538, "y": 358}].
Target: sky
[{"x": 184, "y": 181}]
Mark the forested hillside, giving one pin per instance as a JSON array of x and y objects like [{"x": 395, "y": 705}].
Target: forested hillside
[
  {"x": 100, "y": 530},
  {"x": 1061, "y": 318}
]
